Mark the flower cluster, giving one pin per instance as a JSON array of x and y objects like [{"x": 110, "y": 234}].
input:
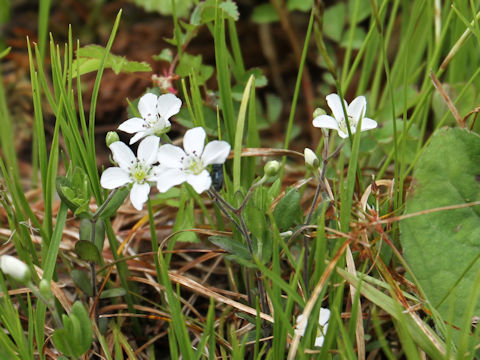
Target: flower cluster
[{"x": 166, "y": 165}]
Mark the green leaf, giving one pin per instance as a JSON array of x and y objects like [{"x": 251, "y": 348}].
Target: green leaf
[
  {"x": 86, "y": 232},
  {"x": 264, "y": 14},
  {"x": 85, "y": 336},
  {"x": 82, "y": 281},
  {"x": 230, "y": 9},
  {"x": 87, "y": 251},
  {"x": 335, "y": 21},
  {"x": 75, "y": 338},
  {"x": 231, "y": 246},
  {"x": 301, "y": 5},
  {"x": 442, "y": 247},
  {"x": 164, "y": 7},
  {"x": 165, "y": 55},
  {"x": 193, "y": 63},
  {"x": 89, "y": 58},
  {"x": 288, "y": 210},
  {"x": 5, "y": 52},
  {"x": 205, "y": 12},
  {"x": 111, "y": 293},
  {"x": 115, "y": 202},
  {"x": 74, "y": 190},
  {"x": 364, "y": 9}
]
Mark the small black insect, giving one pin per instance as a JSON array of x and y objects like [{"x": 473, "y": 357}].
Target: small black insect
[{"x": 217, "y": 176}]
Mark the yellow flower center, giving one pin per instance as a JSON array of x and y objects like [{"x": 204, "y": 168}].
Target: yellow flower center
[{"x": 139, "y": 172}]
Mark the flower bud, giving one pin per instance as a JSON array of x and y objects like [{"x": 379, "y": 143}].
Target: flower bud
[
  {"x": 318, "y": 112},
  {"x": 271, "y": 168},
  {"x": 111, "y": 137},
  {"x": 44, "y": 287},
  {"x": 311, "y": 160},
  {"x": 17, "y": 269}
]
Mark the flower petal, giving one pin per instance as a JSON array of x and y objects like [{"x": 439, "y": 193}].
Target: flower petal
[
  {"x": 169, "y": 178},
  {"x": 132, "y": 125},
  {"x": 139, "y": 195},
  {"x": 171, "y": 156},
  {"x": 344, "y": 135},
  {"x": 114, "y": 177},
  {"x": 357, "y": 108},
  {"x": 200, "y": 182},
  {"x": 323, "y": 316},
  {"x": 147, "y": 106},
  {"x": 319, "y": 341},
  {"x": 194, "y": 141},
  {"x": 148, "y": 150},
  {"x": 122, "y": 154},
  {"x": 216, "y": 152},
  {"x": 368, "y": 124},
  {"x": 168, "y": 105},
  {"x": 139, "y": 135},
  {"x": 300, "y": 330},
  {"x": 326, "y": 122},
  {"x": 334, "y": 102}
]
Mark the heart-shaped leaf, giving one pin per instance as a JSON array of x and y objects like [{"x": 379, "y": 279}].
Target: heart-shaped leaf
[{"x": 443, "y": 247}]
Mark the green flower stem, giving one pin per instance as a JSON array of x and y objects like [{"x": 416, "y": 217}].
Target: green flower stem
[
  {"x": 49, "y": 302},
  {"x": 104, "y": 205},
  {"x": 242, "y": 227}
]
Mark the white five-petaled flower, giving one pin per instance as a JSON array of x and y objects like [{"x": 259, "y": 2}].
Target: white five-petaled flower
[
  {"x": 322, "y": 329},
  {"x": 156, "y": 112},
  {"x": 17, "y": 269},
  {"x": 135, "y": 170},
  {"x": 189, "y": 164},
  {"x": 355, "y": 111}
]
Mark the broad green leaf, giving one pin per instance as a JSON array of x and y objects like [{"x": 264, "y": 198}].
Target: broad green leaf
[
  {"x": 87, "y": 250},
  {"x": 86, "y": 232},
  {"x": 75, "y": 338},
  {"x": 288, "y": 210},
  {"x": 82, "y": 281},
  {"x": 364, "y": 9},
  {"x": 443, "y": 247},
  {"x": 334, "y": 21},
  {"x": 89, "y": 59},
  {"x": 466, "y": 103}
]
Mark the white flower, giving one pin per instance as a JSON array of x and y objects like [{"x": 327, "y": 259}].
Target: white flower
[
  {"x": 190, "y": 164},
  {"x": 15, "y": 268},
  {"x": 311, "y": 159},
  {"x": 322, "y": 329},
  {"x": 156, "y": 112},
  {"x": 355, "y": 111},
  {"x": 131, "y": 169}
]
